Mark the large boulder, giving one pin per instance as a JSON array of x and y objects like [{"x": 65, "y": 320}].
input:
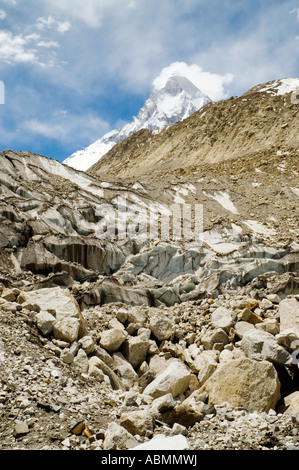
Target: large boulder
[
  {"x": 138, "y": 422},
  {"x": 244, "y": 383},
  {"x": 112, "y": 339},
  {"x": 135, "y": 349},
  {"x": 175, "y": 380},
  {"x": 222, "y": 318},
  {"x": 54, "y": 298},
  {"x": 205, "y": 365},
  {"x": 67, "y": 329},
  {"x": 161, "y": 326},
  {"x": 45, "y": 322},
  {"x": 215, "y": 337},
  {"x": 262, "y": 346},
  {"x": 289, "y": 315},
  {"x": 57, "y": 301},
  {"x": 118, "y": 438},
  {"x": 241, "y": 327},
  {"x": 124, "y": 370}
]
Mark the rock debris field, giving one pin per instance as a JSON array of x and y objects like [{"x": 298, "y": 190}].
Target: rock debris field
[
  {"x": 214, "y": 374},
  {"x": 116, "y": 335}
]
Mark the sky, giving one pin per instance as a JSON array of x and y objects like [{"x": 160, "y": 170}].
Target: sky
[{"x": 72, "y": 70}]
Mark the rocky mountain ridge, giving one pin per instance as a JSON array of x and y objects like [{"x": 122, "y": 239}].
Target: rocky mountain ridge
[
  {"x": 260, "y": 121},
  {"x": 177, "y": 100}
]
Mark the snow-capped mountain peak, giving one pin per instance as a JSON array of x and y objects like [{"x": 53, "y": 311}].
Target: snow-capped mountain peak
[{"x": 177, "y": 100}]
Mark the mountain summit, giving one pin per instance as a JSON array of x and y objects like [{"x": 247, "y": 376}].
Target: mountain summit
[
  {"x": 177, "y": 100},
  {"x": 262, "y": 121}
]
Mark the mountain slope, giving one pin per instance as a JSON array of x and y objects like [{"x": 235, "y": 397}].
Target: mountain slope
[
  {"x": 176, "y": 101},
  {"x": 264, "y": 119},
  {"x": 97, "y": 301}
]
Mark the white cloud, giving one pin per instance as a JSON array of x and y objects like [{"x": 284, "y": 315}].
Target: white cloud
[
  {"x": 132, "y": 5},
  {"x": 62, "y": 126},
  {"x": 62, "y": 27},
  {"x": 296, "y": 12},
  {"x": 51, "y": 23},
  {"x": 211, "y": 84},
  {"x": 89, "y": 11},
  {"x": 48, "y": 44},
  {"x": 15, "y": 49},
  {"x": 2, "y": 15},
  {"x": 45, "y": 23}
]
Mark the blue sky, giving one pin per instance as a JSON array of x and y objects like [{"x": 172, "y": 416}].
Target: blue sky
[{"x": 75, "y": 69}]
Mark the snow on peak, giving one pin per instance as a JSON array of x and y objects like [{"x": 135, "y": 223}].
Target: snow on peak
[
  {"x": 177, "y": 100},
  {"x": 280, "y": 87}
]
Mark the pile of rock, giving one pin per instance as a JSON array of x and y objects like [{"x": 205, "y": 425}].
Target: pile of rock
[{"x": 174, "y": 367}]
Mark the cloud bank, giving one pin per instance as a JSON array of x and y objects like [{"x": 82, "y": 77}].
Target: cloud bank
[{"x": 211, "y": 84}]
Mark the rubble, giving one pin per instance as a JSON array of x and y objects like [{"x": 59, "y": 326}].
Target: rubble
[
  {"x": 114, "y": 341},
  {"x": 239, "y": 393}
]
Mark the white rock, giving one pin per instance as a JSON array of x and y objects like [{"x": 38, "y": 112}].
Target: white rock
[
  {"x": 138, "y": 422},
  {"x": 212, "y": 337},
  {"x": 111, "y": 340},
  {"x": 66, "y": 356},
  {"x": 161, "y": 326},
  {"x": 96, "y": 372},
  {"x": 222, "y": 318},
  {"x": 270, "y": 325},
  {"x": 56, "y": 298},
  {"x": 162, "y": 442},
  {"x": 206, "y": 364},
  {"x": 175, "y": 380},
  {"x": 289, "y": 315},
  {"x": 81, "y": 361},
  {"x": 262, "y": 346},
  {"x": 96, "y": 362},
  {"x": 136, "y": 316},
  {"x": 45, "y": 322},
  {"x": 241, "y": 327},
  {"x": 124, "y": 369},
  {"x": 226, "y": 356},
  {"x": 117, "y": 437},
  {"x": 67, "y": 329},
  {"x": 274, "y": 298},
  {"x": 135, "y": 349},
  {"x": 289, "y": 339},
  {"x": 163, "y": 403},
  {"x": 87, "y": 344}
]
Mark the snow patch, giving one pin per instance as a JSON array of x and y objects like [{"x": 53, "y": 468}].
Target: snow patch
[
  {"x": 224, "y": 200},
  {"x": 281, "y": 87},
  {"x": 259, "y": 228},
  {"x": 138, "y": 187}
]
